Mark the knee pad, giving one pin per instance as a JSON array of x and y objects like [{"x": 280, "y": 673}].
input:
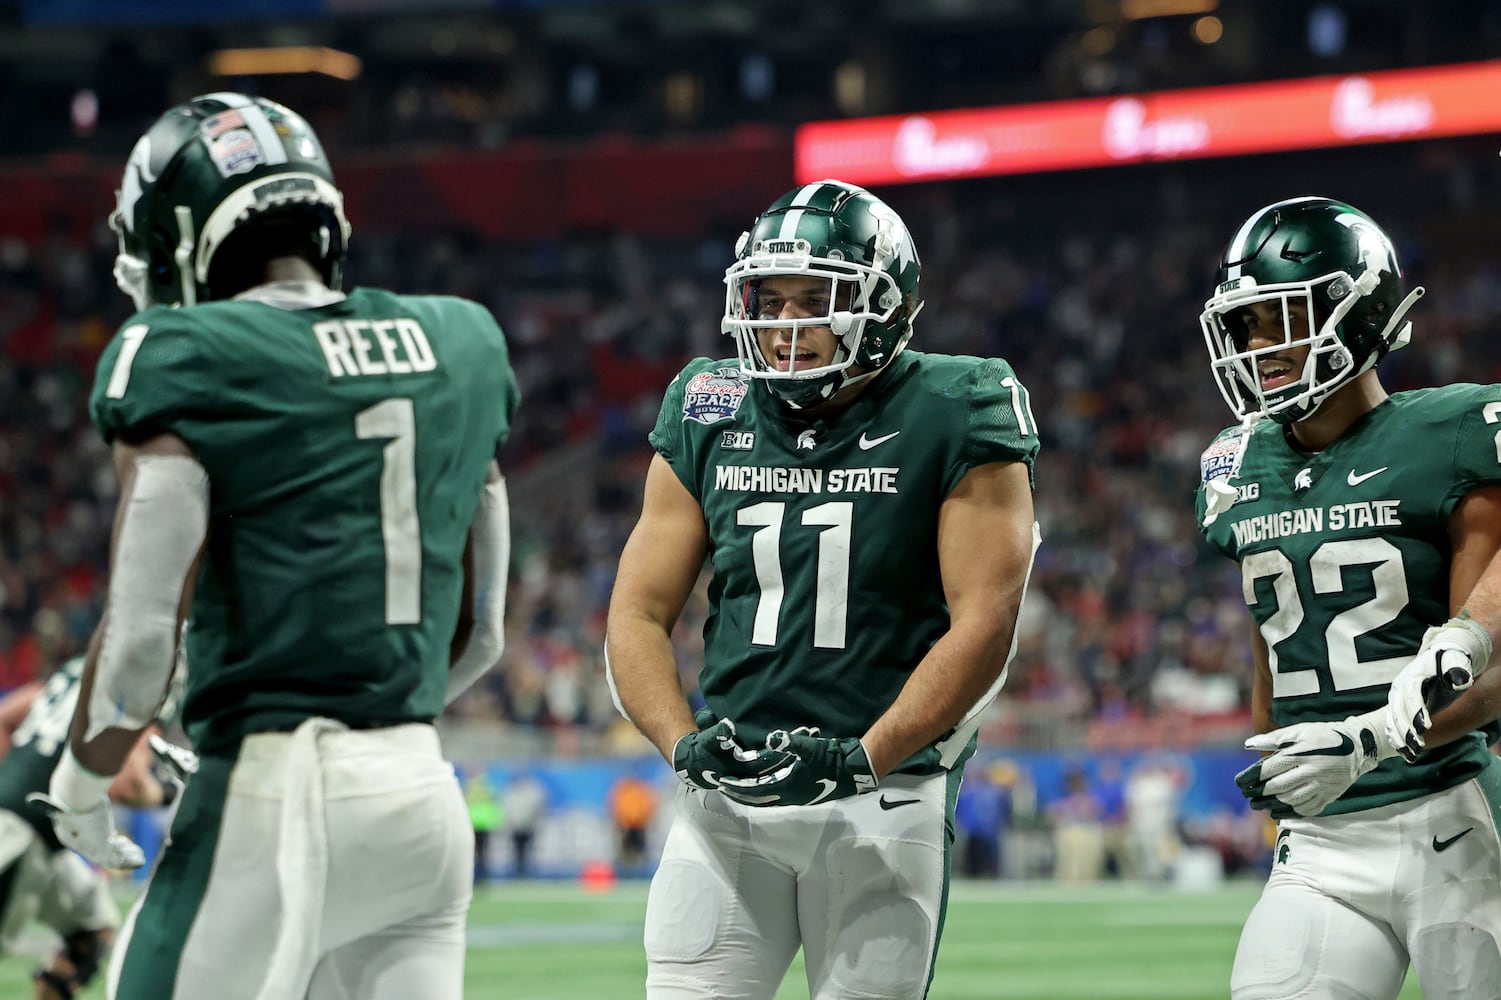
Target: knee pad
[
  {"x": 683, "y": 912},
  {"x": 1303, "y": 944},
  {"x": 1457, "y": 961},
  {"x": 884, "y": 899}
]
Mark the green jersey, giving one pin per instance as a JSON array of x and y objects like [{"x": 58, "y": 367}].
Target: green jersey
[
  {"x": 346, "y": 439},
  {"x": 36, "y": 746},
  {"x": 1345, "y": 558},
  {"x": 826, "y": 591}
]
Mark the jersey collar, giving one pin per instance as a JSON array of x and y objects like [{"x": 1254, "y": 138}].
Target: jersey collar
[{"x": 292, "y": 295}]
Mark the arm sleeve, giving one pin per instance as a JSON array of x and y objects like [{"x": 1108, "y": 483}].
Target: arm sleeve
[
  {"x": 999, "y": 423},
  {"x": 490, "y": 535}
]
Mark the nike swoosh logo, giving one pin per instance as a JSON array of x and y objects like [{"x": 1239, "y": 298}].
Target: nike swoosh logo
[
  {"x": 1355, "y": 480},
  {"x": 1444, "y": 845},
  {"x": 868, "y": 443},
  {"x": 710, "y": 777},
  {"x": 829, "y": 784},
  {"x": 897, "y": 804},
  {"x": 1344, "y": 748}
]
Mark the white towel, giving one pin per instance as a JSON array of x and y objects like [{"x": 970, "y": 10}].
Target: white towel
[{"x": 301, "y": 866}]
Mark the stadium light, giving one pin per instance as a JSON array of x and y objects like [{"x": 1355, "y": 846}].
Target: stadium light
[
  {"x": 1139, "y": 10},
  {"x": 290, "y": 59}
]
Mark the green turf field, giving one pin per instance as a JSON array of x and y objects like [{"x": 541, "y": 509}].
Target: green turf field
[{"x": 540, "y": 941}]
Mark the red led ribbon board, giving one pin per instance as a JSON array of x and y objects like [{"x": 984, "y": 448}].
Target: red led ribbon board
[{"x": 1168, "y": 125}]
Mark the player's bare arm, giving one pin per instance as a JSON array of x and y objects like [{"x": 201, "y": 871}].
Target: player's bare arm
[
  {"x": 658, "y": 568},
  {"x": 1475, "y": 594},
  {"x": 985, "y": 533},
  {"x": 136, "y": 785},
  {"x": 1261, "y": 684},
  {"x": 13, "y": 709}
]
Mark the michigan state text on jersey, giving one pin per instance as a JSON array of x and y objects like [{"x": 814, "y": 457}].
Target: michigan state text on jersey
[
  {"x": 1344, "y": 557},
  {"x": 826, "y": 590}
]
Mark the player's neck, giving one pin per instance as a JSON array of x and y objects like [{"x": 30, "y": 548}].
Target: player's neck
[
  {"x": 291, "y": 268},
  {"x": 838, "y": 404},
  {"x": 1339, "y": 412}
]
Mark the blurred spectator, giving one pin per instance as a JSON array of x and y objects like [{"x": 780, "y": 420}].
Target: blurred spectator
[
  {"x": 485, "y": 815},
  {"x": 982, "y": 816},
  {"x": 1152, "y": 791},
  {"x": 523, "y": 803},
  {"x": 1107, "y": 784},
  {"x": 633, "y": 805},
  {"x": 1078, "y": 832}
]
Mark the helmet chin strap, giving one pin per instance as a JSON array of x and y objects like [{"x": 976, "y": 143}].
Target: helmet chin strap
[
  {"x": 182, "y": 255},
  {"x": 130, "y": 278},
  {"x": 1403, "y": 335}
]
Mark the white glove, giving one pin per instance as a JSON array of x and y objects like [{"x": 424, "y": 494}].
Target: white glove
[
  {"x": 77, "y": 801},
  {"x": 92, "y": 833},
  {"x": 1314, "y": 763},
  {"x": 1452, "y": 656}
]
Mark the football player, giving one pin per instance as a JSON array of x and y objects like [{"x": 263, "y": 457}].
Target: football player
[
  {"x": 40, "y": 879},
  {"x": 309, "y": 477},
  {"x": 1366, "y": 526},
  {"x": 868, "y": 513}
]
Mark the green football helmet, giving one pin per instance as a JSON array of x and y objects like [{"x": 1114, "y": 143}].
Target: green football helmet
[
  {"x": 1341, "y": 268},
  {"x": 855, "y": 241},
  {"x": 208, "y": 167}
]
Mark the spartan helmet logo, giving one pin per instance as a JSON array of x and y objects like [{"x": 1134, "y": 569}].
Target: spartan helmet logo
[
  {"x": 1304, "y": 480},
  {"x": 805, "y": 440}
]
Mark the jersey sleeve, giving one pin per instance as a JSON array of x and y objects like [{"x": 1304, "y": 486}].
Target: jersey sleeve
[
  {"x": 152, "y": 378},
  {"x": 999, "y": 426},
  {"x": 669, "y": 438},
  {"x": 1477, "y": 445},
  {"x": 510, "y": 389}
]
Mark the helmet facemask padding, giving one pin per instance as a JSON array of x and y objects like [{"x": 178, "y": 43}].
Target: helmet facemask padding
[{"x": 1328, "y": 300}]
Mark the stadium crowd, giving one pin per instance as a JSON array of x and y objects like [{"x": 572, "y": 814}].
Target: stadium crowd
[{"x": 1129, "y": 620}]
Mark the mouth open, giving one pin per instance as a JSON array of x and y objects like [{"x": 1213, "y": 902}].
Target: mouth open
[
  {"x": 1275, "y": 373},
  {"x": 786, "y": 360}
]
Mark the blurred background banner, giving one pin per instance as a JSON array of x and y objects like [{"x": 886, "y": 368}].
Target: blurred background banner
[{"x": 1213, "y": 121}]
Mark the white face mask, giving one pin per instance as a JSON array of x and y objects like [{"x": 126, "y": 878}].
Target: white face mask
[{"x": 1237, "y": 368}]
